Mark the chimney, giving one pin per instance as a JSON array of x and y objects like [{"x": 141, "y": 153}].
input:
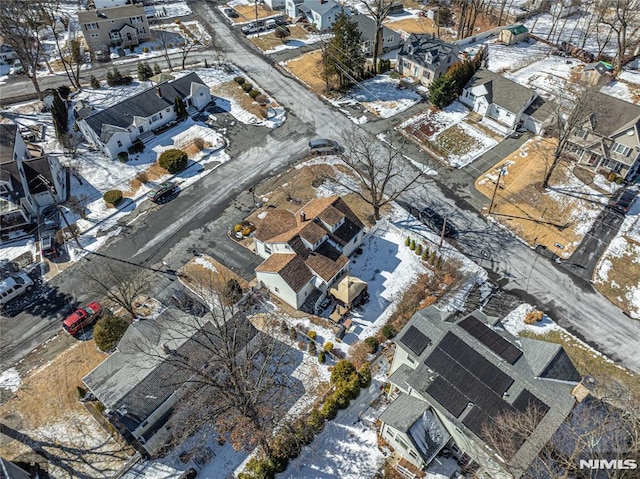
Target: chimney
[
  {"x": 303, "y": 217},
  {"x": 158, "y": 92},
  {"x": 584, "y": 388}
]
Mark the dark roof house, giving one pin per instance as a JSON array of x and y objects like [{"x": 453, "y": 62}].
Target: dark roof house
[
  {"x": 425, "y": 57},
  {"x": 367, "y": 27}
]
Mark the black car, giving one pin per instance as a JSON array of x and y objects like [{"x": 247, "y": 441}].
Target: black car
[
  {"x": 51, "y": 217},
  {"x": 623, "y": 200},
  {"x": 231, "y": 13},
  {"x": 435, "y": 221},
  {"x": 163, "y": 192}
]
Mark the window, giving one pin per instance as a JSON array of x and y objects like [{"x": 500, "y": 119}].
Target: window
[
  {"x": 582, "y": 134},
  {"x": 91, "y": 26},
  {"x": 137, "y": 19},
  {"x": 114, "y": 35},
  {"x": 154, "y": 118},
  {"x": 141, "y": 129},
  {"x": 621, "y": 149},
  {"x": 267, "y": 249},
  {"x": 612, "y": 165},
  {"x": 95, "y": 35},
  {"x": 593, "y": 159},
  {"x": 119, "y": 144},
  {"x": 142, "y": 30},
  {"x": 275, "y": 288}
]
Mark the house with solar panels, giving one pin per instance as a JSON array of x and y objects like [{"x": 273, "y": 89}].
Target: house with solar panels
[{"x": 450, "y": 378}]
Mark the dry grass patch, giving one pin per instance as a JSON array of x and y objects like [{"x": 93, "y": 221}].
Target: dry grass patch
[
  {"x": 454, "y": 141},
  {"x": 153, "y": 173},
  {"x": 47, "y": 410},
  {"x": 248, "y": 12},
  {"x": 419, "y": 25},
  {"x": 588, "y": 361},
  {"x": 206, "y": 271},
  {"x": 234, "y": 91},
  {"x": 307, "y": 68},
  {"x": 623, "y": 276},
  {"x": 536, "y": 216},
  {"x": 269, "y": 41}
]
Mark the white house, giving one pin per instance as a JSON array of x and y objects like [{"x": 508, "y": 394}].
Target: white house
[
  {"x": 450, "y": 379},
  {"x": 307, "y": 252},
  {"x": 115, "y": 129},
  {"x": 29, "y": 178},
  {"x": 275, "y": 4},
  {"x": 498, "y": 99},
  {"x": 109, "y": 3},
  {"x": 321, "y": 13}
]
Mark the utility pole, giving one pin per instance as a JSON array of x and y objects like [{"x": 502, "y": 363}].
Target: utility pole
[
  {"x": 444, "y": 227},
  {"x": 501, "y": 172},
  {"x": 256, "y": 7}
]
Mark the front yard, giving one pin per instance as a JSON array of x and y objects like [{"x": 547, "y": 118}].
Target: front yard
[{"x": 557, "y": 218}]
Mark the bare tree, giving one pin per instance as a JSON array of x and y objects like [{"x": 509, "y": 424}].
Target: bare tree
[
  {"x": 623, "y": 17},
  {"x": 581, "y": 106},
  {"x": 379, "y": 167},
  {"x": 119, "y": 283},
  {"x": 185, "y": 46},
  {"x": 379, "y": 10},
  {"x": 19, "y": 27},
  {"x": 165, "y": 39},
  {"x": 597, "y": 428}
]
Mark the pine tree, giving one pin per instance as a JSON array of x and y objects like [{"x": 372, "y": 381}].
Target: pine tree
[
  {"x": 343, "y": 56},
  {"x": 442, "y": 91},
  {"x": 156, "y": 69},
  {"x": 144, "y": 71},
  {"x": 419, "y": 250},
  {"x": 407, "y": 242},
  {"x": 60, "y": 116},
  {"x": 412, "y": 245},
  {"x": 181, "y": 110},
  {"x": 425, "y": 254},
  {"x": 95, "y": 83}
]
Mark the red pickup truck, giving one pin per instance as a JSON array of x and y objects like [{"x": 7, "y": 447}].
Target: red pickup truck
[{"x": 82, "y": 317}]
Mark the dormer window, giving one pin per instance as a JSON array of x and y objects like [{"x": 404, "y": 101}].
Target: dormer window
[
  {"x": 621, "y": 149},
  {"x": 582, "y": 134}
]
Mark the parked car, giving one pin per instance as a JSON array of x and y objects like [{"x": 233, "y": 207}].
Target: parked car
[
  {"x": 270, "y": 24},
  {"x": 623, "y": 200},
  {"x": 231, "y": 13},
  {"x": 51, "y": 217},
  {"x": 436, "y": 221},
  {"x": 322, "y": 146},
  {"x": 250, "y": 28},
  {"x": 49, "y": 246},
  {"x": 14, "y": 286},
  {"x": 162, "y": 192},
  {"x": 82, "y": 317}
]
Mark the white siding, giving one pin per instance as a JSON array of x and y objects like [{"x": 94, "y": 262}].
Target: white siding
[{"x": 282, "y": 290}]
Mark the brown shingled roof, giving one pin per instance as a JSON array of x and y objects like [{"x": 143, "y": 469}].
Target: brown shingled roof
[
  {"x": 275, "y": 222},
  {"x": 326, "y": 261},
  {"x": 312, "y": 232},
  {"x": 290, "y": 267},
  {"x": 332, "y": 216},
  {"x": 316, "y": 206}
]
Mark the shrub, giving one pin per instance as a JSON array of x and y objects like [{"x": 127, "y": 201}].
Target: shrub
[
  {"x": 302, "y": 345},
  {"x": 142, "y": 177},
  {"x": 322, "y": 358},
  {"x": 389, "y": 331},
  {"x": 352, "y": 388},
  {"x": 394, "y": 75},
  {"x": 145, "y": 49},
  {"x": 64, "y": 91},
  {"x": 136, "y": 147},
  {"x": 285, "y": 446},
  {"x": 95, "y": 83},
  {"x": 108, "y": 331},
  {"x": 342, "y": 371},
  {"x": 283, "y": 327},
  {"x": 315, "y": 421},
  {"x": 412, "y": 245},
  {"x": 258, "y": 469},
  {"x": 342, "y": 396},
  {"x": 533, "y": 317},
  {"x": 123, "y": 156},
  {"x": 177, "y": 22},
  {"x": 611, "y": 177},
  {"x": 407, "y": 242},
  {"x": 282, "y": 32},
  {"x": 112, "y": 197},
  {"x": 419, "y": 250},
  {"x": 619, "y": 180},
  {"x": 364, "y": 375},
  {"x": 262, "y": 99},
  {"x": 232, "y": 292},
  {"x": 246, "y": 231},
  {"x": 173, "y": 160},
  {"x": 237, "y": 228},
  {"x": 81, "y": 392},
  {"x": 312, "y": 348},
  {"x": 247, "y": 87},
  {"x": 425, "y": 254},
  {"x": 254, "y": 94},
  {"x": 312, "y": 334},
  {"x": 328, "y": 346},
  {"x": 329, "y": 408},
  {"x": 373, "y": 344},
  {"x": 293, "y": 334},
  {"x": 239, "y": 80}
]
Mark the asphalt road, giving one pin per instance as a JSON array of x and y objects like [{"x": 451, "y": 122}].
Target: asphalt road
[{"x": 199, "y": 215}]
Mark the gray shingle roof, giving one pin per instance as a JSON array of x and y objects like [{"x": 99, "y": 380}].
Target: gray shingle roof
[
  {"x": 120, "y": 116},
  {"x": 367, "y": 26},
  {"x": 613, "y": 114},
  {"x": 111, "y": 13},
  {"x": 403, "y": 412},
  {"x": 321, "y": 6},
  {"x": 417, "y": 45},
  {"x": 541, "y": 109},
  {"x": 8, "y": 470},
  {"x": 503, "y": 92}
]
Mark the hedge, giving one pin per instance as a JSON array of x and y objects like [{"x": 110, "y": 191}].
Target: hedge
[
  {"x": 173, "y": 160},
  {"x": 112, "y": 197},
  {"x": 254, "y": 93},
  {"x": 247, "y": 87},
  {"x": 239, "y": 80}
]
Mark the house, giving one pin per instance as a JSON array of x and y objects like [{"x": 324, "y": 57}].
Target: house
[
  {"x": 564, "y": 8},
  {"x": 451, "y": 378},
  {"x": 29, "y": 180},
  {"x": 513, "y": 34},
  {"x": 539, "y": 116},
  {"x": 114, "y": 129},
  {"x": 425, "y": 57},
  {"x": 367, "y": 27},
  {"x": 307, "y": 252},
  {"x": 609, "y": 139},
  {"x": 140, "y": 383},
  {"x": 321, "y": 13},
  {"x": 596, "y": 74},
  {"x": 275, "y": 4},
  {"x": 108, "y": 3},
  {"x": 498, "y": 99},
  {"x": 122, "y": 26}
]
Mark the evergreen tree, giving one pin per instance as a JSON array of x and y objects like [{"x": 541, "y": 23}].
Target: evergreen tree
[
  {"x": 144, "y": 71},
  {"x": 95, "y": 83},
  {"x": 343, "y": 57},
  {"x": 181, "y": 110},
  {"x": 60, "y": 116},
  {"x": 442, "y": 91},
  {"x": 156, "y": 69}
]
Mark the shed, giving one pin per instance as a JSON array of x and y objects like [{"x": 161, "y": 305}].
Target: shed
[
  {"x": 350, "y": 292},
  {"x": 596, "y": 74},
  {"x": 513, "y": 34}
]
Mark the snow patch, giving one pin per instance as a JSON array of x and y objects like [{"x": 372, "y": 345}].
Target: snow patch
[{"x": 10, "y": 379}]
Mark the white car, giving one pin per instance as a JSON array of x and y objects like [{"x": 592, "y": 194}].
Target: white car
[{"x": 14, "y": 286}]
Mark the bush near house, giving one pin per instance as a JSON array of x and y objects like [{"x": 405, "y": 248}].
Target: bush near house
[
  {"x": 239, "y": 80},
  {"x": 533, "y": 317},
  {"x": 254, "y": 94},
  {"x": 372, "y": 343},
  {"x": 123, "y": 156},
  {"x": 136, "y": 147},
  {"x": 388, "y": 331},
  {"x": 112, "y": 197},
  {"x": 108, "y": 331},
  {"x": 173, "y": 160},
  {"x": 95, "y": 83},
  {"x": 247, "y": 87}
]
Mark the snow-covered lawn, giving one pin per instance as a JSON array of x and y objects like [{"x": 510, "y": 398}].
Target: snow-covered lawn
[
  {"x": 504, "y": 58},
  {"x": 381, "y": 96},
  {"x": 618, "y": 272},
  {"x": 10, "y": 379},
  {"x": 624, "y": 90},
  {"x": 435, "y": 121},
  {"x": 168, "y": 9},
  {"x": 548, "y": 76}
]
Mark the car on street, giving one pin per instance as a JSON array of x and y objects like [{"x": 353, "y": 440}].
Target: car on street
[
  {"x": 162, "y": 192},
  {"x": 82, "y": 317},
  {"x": 14, "y": 286},
  {"x": 436, "y": 221},
  {"x": 322, "y": 146},
  {"x": 623, "y": 200},
  {"x": 231, "y": 13},
  {"x": 49, "y": 246},
  {"x": 250, "y": 29}
]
